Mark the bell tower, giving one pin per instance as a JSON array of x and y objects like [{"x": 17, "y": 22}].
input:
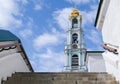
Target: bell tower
[{"x": 75, "y": 47}]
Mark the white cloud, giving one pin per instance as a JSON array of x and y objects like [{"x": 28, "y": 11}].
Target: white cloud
[
  {"x": 11, "y": 13},
  {"x": 78, "y": 1},
  {"x": 61, "y": 17},
  {"x": 38, "y": 4},
  {"x": 26, "y": 33},
  {"x": 37, "y": 7},
  {"x": 88, "y": 17},
  {"x": 45, "y": 39},
  {"x": 50, "y": 61},
  {"x": 48, "y": 39},
  {"x": 30, "y": 22},
  {"x": 24, "y": 1},
  {"x": 8, "y": 10}
]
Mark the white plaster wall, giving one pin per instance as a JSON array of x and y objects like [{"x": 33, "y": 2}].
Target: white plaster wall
[
  {"x": 11, "y": 62},
  {"x": 111, "y": 34},
  {"x": 112, "y": 64},
  {"x": 102, "y": 13},
  {"x": 96, "y": 64},
  {"x": 111, "y": 25}
]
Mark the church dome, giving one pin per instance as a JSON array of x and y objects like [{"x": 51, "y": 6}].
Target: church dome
[{"x": 75, "y": 13}]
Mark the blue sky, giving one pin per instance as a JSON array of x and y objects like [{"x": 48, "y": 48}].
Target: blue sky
[{"x": 42, "y": 24}]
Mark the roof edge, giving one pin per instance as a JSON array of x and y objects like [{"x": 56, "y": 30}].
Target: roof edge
[
  {"x": 28, "y": 62},
  {"x": 95, "y": 51},
  {"x": 98, "y": 12},
  {"x": 92, "y": 52},
  {"x": 6, "y": 35}
]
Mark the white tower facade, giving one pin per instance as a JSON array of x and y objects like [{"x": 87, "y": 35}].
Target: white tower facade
[{"x": 75, "y": 48}]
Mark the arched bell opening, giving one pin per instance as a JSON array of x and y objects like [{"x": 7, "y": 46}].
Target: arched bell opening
[
  {"x": 74, "y": 23},
  {"x": 75, "y": 38},
  {"x": 75, "y": 61}
]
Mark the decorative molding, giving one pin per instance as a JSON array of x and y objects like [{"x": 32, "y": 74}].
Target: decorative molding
[
  {"x": 8, "y": 46},
  {"x": 110, "y": 48}
]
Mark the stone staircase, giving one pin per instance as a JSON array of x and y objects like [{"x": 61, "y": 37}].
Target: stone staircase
[{"x": 60, "y": 78}]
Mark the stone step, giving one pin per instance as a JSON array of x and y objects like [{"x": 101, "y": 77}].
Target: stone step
[
  {"x": 62, "y": 74},
  {"x": 61, "y": 78},
  {"x": 65, "y": 77},
  {"x": 58, "y": 82},
  {"x": 82, "y": 78}
]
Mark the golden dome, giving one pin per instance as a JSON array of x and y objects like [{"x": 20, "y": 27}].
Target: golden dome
[{"x": 75, "y": 13}]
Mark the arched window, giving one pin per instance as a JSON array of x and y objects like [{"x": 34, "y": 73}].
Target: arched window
[
  {"x": 74, "y": 23},
  {"x": 75, "y": 38},
  {"x": 75, "y": 60}
]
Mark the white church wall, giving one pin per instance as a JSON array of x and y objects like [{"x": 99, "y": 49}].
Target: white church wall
[
  {"x": 11, "y": 61},
  {"x": 111, "y": 35},
  {"x": 112, "y": 64},
  {"x": 96, "y": 63},
  {"x": 111, "y": 25},
  {"x": 102, "y": 14}
]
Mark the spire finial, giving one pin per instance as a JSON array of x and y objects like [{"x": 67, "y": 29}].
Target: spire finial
[
  {"x": 75, "y": 12},
  {"x": 74, "y": 4}
]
